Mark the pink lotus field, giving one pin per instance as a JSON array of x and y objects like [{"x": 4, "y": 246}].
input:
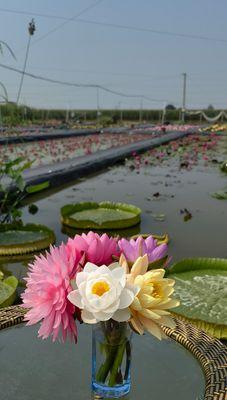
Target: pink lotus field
[{"x": 95, "y": 278}]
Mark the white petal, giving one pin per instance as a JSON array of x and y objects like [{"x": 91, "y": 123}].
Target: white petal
[
  {"x": 119, "y": 275},
  {"x": 126, "y": 298},
  {"x": 81, "y": 277},
  {"x": 114, "y": 266},
  {"x": 102, "y": 316},
  {"x": 88, "y": 317},
  {"x": 113, "y": 307},
  {"x": 103, "y": 270},
  {"x": 90, "y": 267},
  {"x": 75, "y": 298},
  {"x": 121, "y": 315},
  {"x": 82, "y": 288},
  {"x": 135, "y": 289}
]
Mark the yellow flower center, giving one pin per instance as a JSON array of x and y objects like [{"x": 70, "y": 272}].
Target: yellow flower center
[
  {"x": 157, "y": 289},
  {"x": 100, "y": 288}
]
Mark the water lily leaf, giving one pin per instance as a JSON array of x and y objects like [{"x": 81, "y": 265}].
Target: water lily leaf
[
  {"x": 160, "y": 238},
  {"x": 18, "y": 239},
  {"x": 224, "y": 166},
  {"x": 220, "y": 195},
  {"x": 201, "y": 287},
  {"x": 104, "y": 215},
  {"x": 37, "y": 188},
  {"x": 8, "y": 288}
]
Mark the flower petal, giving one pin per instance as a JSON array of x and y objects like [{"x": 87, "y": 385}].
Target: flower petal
[
  {"x": 75, "y": 298},
  {"x": 88, "y": 317},
  {"x": 126, "y": 298},
  {"x": 122, "y": 315}
]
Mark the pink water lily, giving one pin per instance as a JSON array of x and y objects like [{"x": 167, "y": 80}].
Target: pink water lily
[
  {"x": 132, "y": 249},
  {"x": 96, "y": 249}
]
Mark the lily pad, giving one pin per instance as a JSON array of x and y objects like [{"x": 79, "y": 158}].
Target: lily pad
[
  {"x": 8, "y": 288},
  {"x": 224, "y": 166},
  {"x": 23, "y": 239},
  {"x": 104, "y": 215},
  {"x": 220, "y": 195},
  {"x": 160, "y": 238},
  {"x": 201, "y": 287}
]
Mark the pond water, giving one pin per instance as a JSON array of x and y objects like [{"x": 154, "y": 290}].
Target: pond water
[{"x": 175, "y": 198}]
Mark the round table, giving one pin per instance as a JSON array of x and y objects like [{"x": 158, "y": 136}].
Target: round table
[{"x": 37, "y": 369}]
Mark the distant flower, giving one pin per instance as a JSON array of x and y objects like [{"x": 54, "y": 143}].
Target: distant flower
[
  {"x": 96, "y": 249},
  {"x": 150, "y": 305},
  {"x": 102, "y": 293},
  {"x": 48, "y": 285},
  {"x": 132, "y": 249}
]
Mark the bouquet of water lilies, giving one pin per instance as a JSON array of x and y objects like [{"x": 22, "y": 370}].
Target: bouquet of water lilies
[{"x": 99, "y": 279}]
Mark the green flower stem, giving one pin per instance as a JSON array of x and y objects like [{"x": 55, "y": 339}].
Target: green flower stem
[
  {"x": 116, "y": 364},
  {"x": 107, "y": 365}
]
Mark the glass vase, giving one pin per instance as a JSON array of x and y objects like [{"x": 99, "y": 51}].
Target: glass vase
[{"x": 111, "y": 359}]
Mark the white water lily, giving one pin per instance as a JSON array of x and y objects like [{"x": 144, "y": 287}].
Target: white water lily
[{"x": 102, "y": 293}]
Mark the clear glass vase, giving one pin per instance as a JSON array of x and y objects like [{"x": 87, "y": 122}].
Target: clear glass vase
[{"x": 111, "y": 359}]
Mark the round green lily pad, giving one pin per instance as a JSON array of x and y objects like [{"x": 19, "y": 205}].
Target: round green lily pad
[
  {"x": 201, "y": 288},
  {"x": 8, "y": 289},
  {"x": 23, "y": 239},
  {"x": 224, "y": 166},
  {"x": 104, "y": 215}
]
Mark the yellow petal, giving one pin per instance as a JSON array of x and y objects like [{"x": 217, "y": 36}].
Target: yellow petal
[
  {"x": 137, "y": 326},
  {"x": 171, "y": 303},
  {"x": 155, "y": 274},
  {"x": 151, "y": 327},
  {"x": 168, "y": 321},
  {"x": 161, "y": 312},
  {"x": 139, "y": 281},
  {"x": 136, "y": 304},
  {"x": 123, "y": 263},
  {"x": 149, "y": 314},
  {"x": 146, "y": 300},
  {"x": 140, "y": 266}
]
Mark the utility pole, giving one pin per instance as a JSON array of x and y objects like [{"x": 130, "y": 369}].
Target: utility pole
[
  {"x": 184, "y": 97},
  {"x": 141, "y": 110},
  {"x": 97, "y": 98},
  {"x": 31, "y": 31}
]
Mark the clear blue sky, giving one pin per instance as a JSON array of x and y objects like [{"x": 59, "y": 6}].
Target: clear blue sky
[{"x": 133, "y": 62}]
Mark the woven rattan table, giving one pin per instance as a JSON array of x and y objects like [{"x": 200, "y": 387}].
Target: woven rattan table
[{"x": 211, "y": 353}]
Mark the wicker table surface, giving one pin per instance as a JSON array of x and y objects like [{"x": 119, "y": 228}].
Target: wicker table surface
[{"x": 211, "y": 354}]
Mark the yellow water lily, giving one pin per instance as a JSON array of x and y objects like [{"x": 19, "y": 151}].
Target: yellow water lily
[{"x": 150, "y": 305}]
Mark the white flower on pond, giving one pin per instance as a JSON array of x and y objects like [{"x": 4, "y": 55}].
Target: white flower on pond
[{"x": 102, "y": 293}]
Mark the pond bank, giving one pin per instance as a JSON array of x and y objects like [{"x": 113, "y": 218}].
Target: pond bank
[{"x": 80, "y": 167}]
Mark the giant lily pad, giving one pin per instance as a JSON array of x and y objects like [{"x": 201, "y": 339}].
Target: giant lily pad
[
  {"x": 224, "y": 166},
  {"x": 201, "y": 287},
  {"x": 104, "y": 215},
  {"x": 23, "y": 239},
  {"x": 160, "y": 238},
  {"x": 8, "y": 288}
]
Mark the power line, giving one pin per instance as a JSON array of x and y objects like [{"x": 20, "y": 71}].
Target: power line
[
  {"x": 81, "y": 85},
  {"x": 112, "y": 25},
  {"x": 68, "y": 20}
]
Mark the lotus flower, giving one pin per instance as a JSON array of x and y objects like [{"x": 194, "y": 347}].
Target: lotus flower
[
  {"x": 96, "y": 249},
  {"x": 152, "y": 299},
  {"x": 132, "y": 249},
  {"x": 102, "y": 293},
  {"x": 48, "y": 285}
]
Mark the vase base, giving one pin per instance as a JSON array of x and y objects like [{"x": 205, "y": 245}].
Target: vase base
[{"x": 115, "y": 392}]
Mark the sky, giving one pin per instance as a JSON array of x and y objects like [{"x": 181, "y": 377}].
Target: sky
[{"x": 88, "y": 49}]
